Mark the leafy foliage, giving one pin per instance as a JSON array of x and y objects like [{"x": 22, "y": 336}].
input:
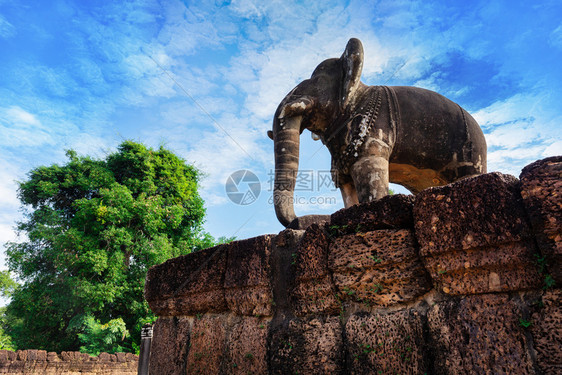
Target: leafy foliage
[
  {"x": 7, "y": 285},
  {"x": 5, "y": 340},
  {"x": 93, "y": 229},
  {"x": 97, "y": 337}
]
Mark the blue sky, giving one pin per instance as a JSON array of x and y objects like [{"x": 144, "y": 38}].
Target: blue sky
[{"x": 195, "y": 75}]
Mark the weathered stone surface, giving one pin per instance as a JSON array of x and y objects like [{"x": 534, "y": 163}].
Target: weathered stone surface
[
  {"x": 311, "y": 256},
  {"x": 390, "y": 212},
  {"x": 282, "y": 269},
  {"x": 307, "y": 346},
  {"x": 313, "y": 292},
  {"x": 478, "y": 211},
  {"x": 253, "y": 300},
  {"x": 36, "y": 355},
  {"x": 207, "y": 345},
  {"x": 188, "y": 284},
  {"x": 316, "y": 296},
  {"x": 53, "y": 357},
  {"x": 247, "y": 347},
  {"x": 170, "y": 341},
  {"x": 248, "y": 276},
  {"x": 381, "y": 267},
  {"x": 390, "y": 343},
  {"x": 546, "y": 328},
  {"x": 474, "y": 236},
  {"x": 303, "y": 222},
  {"x": 18, "y": 367},
  {"x": 40, "y": 362},
  {"x": 541, "y": 189},
  {"x": 500, "y": 268},
  {"x": 479, "y": 335}
]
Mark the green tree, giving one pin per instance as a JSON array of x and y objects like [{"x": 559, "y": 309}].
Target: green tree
[
  {"x": 97, "y": 337},
  {"x": 7, "y": 284},
  {"x": 93, "y": 228},
  {"x": 7, "y": 287},
  {"x": 6, "y": 342}
]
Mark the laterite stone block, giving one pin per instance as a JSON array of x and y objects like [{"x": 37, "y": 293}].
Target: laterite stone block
[
  {"x": 474, "y": 236},
  {"x": 313, "y": 292},
  {"x": 391, "y": 343},
  {"x": 390, "y": 212},
  {"x": 247, "y": 282},
  {"x": 188, "y": 284},
  {"x": 541, "y": 189},
  {"x": 247, "y": 347},
  {"x": 171, "y": 339},
  {"x": 307, "y": 346},
  {"x": 381, "y": 267},
  {"x": 207, "y": 345},
  {"x": 479, "y": 334},
  {"x": 546, "y": 328}
]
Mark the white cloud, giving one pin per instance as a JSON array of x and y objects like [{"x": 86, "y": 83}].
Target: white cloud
[
  {"x": 8, "y": 187},
  {"x": 519, "y": 106},
  {"x": 430, "y": 82},
  {"x": 9, "y": 203},
  {"x": 219, "y": 154},
  {"x": 7, "y": 30},
  {"x": 213, "y": 199},
  {"x": 519, "y": 130},
  {"x": 18, "y": 115},
  {"x": 554, "y": 149},
  {"x": 556, "y": 37},
  {"x": 21, "y": 128},
  {"x": 267, "y": 76},
  {"x": 250, "y": 9},
  {"x": 48, "y": 130},
  {"x": 7, "y": 234},
  {"x": 512, "y": 135},
  {"x": 512, "y": 160},
  {"x": 140, "y": 65},
  {"x": 88, "y": 144}
]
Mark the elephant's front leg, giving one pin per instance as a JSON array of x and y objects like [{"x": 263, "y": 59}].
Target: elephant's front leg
[
  {"x": 370, "y": 177},
  {"x": 349, "y": 194}
]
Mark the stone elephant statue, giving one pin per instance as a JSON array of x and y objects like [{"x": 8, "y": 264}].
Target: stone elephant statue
[{"x": 406, "y": 135}]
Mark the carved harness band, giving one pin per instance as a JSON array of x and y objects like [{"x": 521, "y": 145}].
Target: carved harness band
[{"x": 360, "y": 125}]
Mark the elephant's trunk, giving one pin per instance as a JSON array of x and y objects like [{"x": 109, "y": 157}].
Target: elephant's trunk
[{"x": 286, "y": 139}]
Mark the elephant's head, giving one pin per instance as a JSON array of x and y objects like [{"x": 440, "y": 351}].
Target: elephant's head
[{"x": 312, "y": 105}]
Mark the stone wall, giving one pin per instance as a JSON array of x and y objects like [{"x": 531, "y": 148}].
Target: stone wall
[
  {"x": 463, "y": 279},
  {"x": 67, "y": 363}
]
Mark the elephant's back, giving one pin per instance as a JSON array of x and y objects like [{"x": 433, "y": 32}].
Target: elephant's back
[{"x": 434, "y": 132}]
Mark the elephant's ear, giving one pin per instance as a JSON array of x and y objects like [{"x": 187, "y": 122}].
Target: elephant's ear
[{"x": 352, "y": 65}]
